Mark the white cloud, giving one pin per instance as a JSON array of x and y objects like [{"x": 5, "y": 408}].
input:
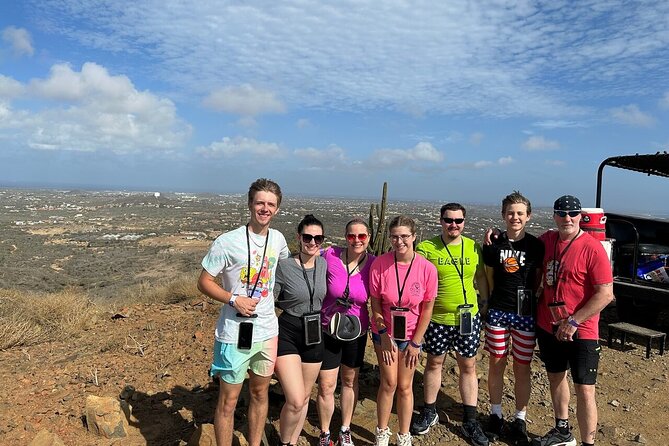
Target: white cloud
[
  {"x": 632, "y": 115},
  {"x": 482, "y": 164},
  {"x": 10, "y": 88},
  {"x": 505, "y": 160},
  {"x": 483, "y": 57},
  {"x": 19, "y": 39},
  {"x": 539, "y": 143},
  {"x": 331, "y": 158},
  {"x": 91, "y": 110},
  {"x": 664, "y": 102},
  {"x": 245, "y": 100},
  {"x": 421, "y": 152},
  {"x": 559, "y": 124},
  {"x": 476, "y": 138},
  {"x": 303, "y": 123},
  {"x": 238, "y": 146},
  {"x": 555, "y": 163}
]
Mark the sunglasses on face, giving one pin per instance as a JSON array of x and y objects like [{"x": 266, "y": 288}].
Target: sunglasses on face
[
  {"x": 307, "y": 238},
  {"x": 404, "y": 237},
  {"x": 563, "y": 214},
  {"x": 449, "y": 220},
  {"x": 352, "y": 237}
]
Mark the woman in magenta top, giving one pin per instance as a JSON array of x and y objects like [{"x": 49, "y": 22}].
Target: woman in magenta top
[
  {"x": 403, "y": 286},
  {"x": 347, "y": 268}
]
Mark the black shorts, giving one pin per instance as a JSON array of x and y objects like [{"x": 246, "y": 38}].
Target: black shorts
[
  {"x": 579, "y": 355},
  {"x": 291, "y": 340},
  {"x": 348, "y": 353}
]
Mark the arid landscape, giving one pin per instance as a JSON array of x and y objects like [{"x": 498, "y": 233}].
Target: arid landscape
[{"x": 98, "y": 297}]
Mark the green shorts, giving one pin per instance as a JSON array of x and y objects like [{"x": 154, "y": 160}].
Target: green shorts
[{"x": 231, "y": 363}]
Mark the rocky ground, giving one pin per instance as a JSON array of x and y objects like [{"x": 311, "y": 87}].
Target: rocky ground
[{"x": 163, "y": 352}]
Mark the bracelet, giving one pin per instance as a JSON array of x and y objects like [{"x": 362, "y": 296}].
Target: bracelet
[
  {"x": 383, "y": 330},
  {"x": 231, "y": 302},
  {"x": 572, "y": 322},
  {"x": 414, "y": 345}
]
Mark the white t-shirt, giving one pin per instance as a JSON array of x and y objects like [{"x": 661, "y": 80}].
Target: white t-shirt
[{"x": 228, "y": 259}]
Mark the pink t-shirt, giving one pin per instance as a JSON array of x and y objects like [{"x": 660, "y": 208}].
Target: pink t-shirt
[
  {"x": 358, "y": 287},
  {"x": 421, "y": 286},
  {"x": 584, "y": 265}
]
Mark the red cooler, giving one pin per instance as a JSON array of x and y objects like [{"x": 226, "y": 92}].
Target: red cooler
[{"x": 593, "y": 221}]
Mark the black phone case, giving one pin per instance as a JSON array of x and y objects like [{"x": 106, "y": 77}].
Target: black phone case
[{"x": 245, "y": 336}]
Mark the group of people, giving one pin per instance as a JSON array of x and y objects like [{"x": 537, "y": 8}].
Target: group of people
[{"x": 435, "y": 296}]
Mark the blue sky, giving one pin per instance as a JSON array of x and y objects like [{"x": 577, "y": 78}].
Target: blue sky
[{"x": 449, "y": 101}]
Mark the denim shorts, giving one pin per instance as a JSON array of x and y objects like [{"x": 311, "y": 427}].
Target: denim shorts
[{"x": 401, "y": 345}]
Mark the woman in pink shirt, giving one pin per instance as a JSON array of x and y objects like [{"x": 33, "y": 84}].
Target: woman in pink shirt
[
  {"x": 347, "y": 276},
  {"x": 403, "y": 286}
]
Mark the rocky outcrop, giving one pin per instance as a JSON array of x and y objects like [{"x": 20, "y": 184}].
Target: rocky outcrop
[{"x": 105, "y": 417}]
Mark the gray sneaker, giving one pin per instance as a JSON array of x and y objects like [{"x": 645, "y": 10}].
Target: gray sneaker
[{"x": 555, "y": 438}]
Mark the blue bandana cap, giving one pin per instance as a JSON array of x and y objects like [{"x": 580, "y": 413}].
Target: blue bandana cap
[{"x": 567, "y": 203}]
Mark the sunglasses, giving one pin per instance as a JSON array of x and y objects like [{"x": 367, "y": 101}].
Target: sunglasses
[
  {"x": 563, "y": 214},
  {"x": 448, "y": 220},
  {"x": 307, "y": 238},
  {"x": 352, "y": 237}
]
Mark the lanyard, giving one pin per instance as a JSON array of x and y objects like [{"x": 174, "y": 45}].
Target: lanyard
[
  {"x": 559, "y": 270},
  {"x": 248, "y": 269},
  {"x": 455, "y": 264},
  {"x": 348, "y": 273},
  {"x": 306, "y": 279},
  {"x": 400, "y": 291}
]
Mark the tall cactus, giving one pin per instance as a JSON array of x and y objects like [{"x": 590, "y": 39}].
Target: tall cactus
[{"x": 377, "y": 219}]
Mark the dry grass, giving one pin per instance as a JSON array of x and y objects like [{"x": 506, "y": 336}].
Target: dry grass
[
  {"x": 170, "y": 291},
  {"x": 33, "y": 318}
]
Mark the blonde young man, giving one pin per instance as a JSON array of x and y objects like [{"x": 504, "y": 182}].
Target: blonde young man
[
  {"x": 513, "y": 264},
  {"x": 245, "y": 260}
]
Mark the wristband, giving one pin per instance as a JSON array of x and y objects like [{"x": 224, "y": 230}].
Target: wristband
[
  {"x": 572, "y": 322},
  {"x": 414, "y": 345},
  {"x": 232, "y": 300},
  {"x": 383, "y": 330}
]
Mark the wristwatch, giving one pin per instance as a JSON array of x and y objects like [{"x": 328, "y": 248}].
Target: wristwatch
[
  {"x": 572, "y": 322},
  {"x": 232, "y": 300}
]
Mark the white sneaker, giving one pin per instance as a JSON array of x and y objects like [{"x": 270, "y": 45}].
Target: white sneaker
[
  {"x": 345, "y": 438},
  {"x": 382, "y": 436},
  {"x": 403, "y": 439}
]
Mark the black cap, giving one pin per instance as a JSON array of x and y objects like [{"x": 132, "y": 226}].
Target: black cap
[{"x": 567, "y": 203}]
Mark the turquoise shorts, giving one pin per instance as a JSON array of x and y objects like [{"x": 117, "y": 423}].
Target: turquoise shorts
[{"x": 231, "y": 363}]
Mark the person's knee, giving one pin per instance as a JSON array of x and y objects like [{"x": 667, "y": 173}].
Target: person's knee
[
  {"x": 585, "y": 392},
  {"x": 349, "y": 381},
  {"x": 326, "y": 388},
  {"x": 467, "y": 366},
  {"x": 295, "y": 403},
  {"x": 226, "y": 405},
  {"x": 434, "y": 363},
  {"x": 404, "y": 389},
  {"x": 388, "y": 384}
]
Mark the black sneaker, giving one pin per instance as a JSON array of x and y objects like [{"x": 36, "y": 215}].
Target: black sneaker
[
  {"x": 473, "y": 432},
  {"x": 495, "y": 426},
  {"x": 518, "y": 433},
  {"x": 555, "y": 438},
  {"x": 425, "y": 421}
]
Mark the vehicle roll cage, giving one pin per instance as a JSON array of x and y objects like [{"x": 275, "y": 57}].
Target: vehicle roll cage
[{"x": 656, "y": 164}]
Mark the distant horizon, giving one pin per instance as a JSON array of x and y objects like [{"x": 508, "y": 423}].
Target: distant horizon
[{"x": 373, "y": 198}]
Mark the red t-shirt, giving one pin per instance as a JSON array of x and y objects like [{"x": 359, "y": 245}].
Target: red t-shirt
[{"x": 584, "y": 265}]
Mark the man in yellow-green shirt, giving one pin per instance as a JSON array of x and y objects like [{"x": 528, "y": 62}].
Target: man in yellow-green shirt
[{"x": 456, "y": 319}]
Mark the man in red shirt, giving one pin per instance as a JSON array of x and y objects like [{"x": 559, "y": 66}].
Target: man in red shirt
[{"x": 577, "y": 286}]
